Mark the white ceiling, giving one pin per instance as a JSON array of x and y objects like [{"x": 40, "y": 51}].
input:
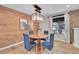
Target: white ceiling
[{"x": 47, "y": 9}]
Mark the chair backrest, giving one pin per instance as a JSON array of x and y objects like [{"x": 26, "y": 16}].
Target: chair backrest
[
  {"x": 51, "y": 40},
  {"x": 30, "y": 32},
  {"x": 26, "y": 41},
  {"x": 45, "y": 32}
]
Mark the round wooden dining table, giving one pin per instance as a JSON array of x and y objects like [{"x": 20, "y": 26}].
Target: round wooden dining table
[{"x": 38, "y": 37}]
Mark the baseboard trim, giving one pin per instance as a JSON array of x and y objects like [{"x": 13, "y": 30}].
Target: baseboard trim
[{"x": 11, "y": 46}]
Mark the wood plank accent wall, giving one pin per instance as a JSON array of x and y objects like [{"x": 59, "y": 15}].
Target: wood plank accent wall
[
  {"x": 9, "y": 26},
  {"x": 74, "y": 22}
]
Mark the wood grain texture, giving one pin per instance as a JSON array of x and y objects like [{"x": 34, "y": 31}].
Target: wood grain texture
[
  {"x": 74, "y": 22},
  {"x": 59, "y": 48},
  {"x": 9, "y": 26}
]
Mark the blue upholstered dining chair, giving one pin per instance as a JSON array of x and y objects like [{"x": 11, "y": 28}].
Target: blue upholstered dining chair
[
  {"x": 27, "y": 44},
  {"x": 32, "y": 39},
  {"x": 45, "y": 32},
  {"x": 49, "y": 44}
]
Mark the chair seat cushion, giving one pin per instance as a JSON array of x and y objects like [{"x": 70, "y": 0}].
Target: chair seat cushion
[
  {"x": 47, "y": 45},
  {"x": 32, "y": 43},
  {"x": 31, "y": 46}
]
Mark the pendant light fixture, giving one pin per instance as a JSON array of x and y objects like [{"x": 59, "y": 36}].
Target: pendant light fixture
[{"x": 37, "y": 15}]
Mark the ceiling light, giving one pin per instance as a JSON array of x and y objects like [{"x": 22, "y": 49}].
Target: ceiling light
[{"x": 37, "y": 15}]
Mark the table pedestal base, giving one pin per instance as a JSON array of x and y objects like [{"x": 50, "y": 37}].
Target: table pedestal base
[{"x": 39, "y": 47}]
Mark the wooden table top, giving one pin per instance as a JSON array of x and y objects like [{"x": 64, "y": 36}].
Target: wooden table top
[{"x": 38, "y": 36}]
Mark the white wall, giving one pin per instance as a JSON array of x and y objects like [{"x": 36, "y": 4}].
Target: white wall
[
  {"x": 47, "y": 25},
  {"x": 66, "y": 34},
  {"x": 44, "y": 25},
  {"x": 67, "y": 27}
]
